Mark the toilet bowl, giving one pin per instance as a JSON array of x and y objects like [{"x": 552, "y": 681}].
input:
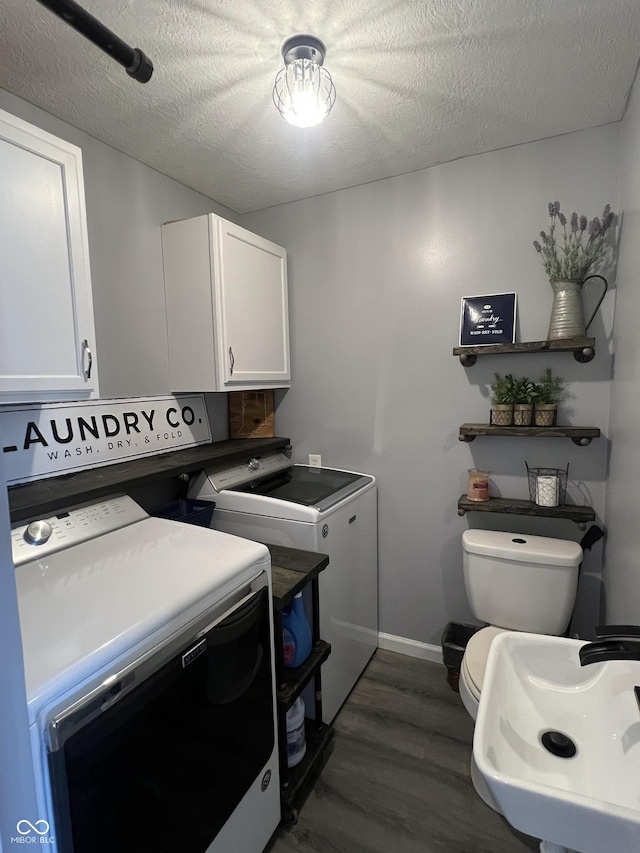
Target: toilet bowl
[
  {"x": 473, "y": 666},
  {"x": 514, "y": 582}
]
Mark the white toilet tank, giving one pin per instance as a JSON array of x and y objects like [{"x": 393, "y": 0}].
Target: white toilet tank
[{"x": 521, "y": 582}]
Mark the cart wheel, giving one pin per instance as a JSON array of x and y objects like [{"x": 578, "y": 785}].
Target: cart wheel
[{"x": 290, "y": 817}]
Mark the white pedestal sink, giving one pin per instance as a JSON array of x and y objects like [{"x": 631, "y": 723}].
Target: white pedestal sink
[{"x": 588, "y": 801}]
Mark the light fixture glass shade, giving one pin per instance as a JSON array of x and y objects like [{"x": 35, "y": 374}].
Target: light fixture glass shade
[{"x": 304, "y": 92}]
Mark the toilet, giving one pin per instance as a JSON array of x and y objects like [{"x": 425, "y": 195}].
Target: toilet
[{"x": 514, "y": 582}]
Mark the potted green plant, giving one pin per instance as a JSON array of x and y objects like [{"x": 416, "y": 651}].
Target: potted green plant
[
  {"x": 549, "y": 392},
  {"x": 524, "y": 393},
  {"x": 502, "y": 398}
]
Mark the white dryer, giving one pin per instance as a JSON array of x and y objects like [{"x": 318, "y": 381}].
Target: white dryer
[
  {"x": 334, "y": 512},
  {"x": 150, "y": 684}
]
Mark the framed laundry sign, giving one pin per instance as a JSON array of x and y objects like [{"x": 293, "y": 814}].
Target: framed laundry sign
[
  {"x": 60, "y": 438},
  {"x": 488, "y": 319}
]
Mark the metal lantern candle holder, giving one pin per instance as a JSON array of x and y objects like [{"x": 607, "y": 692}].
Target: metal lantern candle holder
[{"x": 547, "y": 486}]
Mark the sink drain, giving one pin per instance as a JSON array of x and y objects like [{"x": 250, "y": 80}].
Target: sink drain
[{"x": 558, "y": 744}]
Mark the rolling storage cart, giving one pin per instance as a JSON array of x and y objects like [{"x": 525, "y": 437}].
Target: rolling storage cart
[{"x": 292, "y": 570}]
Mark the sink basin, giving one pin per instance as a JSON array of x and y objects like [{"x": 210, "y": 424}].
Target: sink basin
[{"x": 534, "y": 684}]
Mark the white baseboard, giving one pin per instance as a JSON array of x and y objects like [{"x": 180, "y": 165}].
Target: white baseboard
[{"x": 412, "y": 648}]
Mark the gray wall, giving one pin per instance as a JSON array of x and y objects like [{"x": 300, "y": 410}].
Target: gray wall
[
  {"x": 622, "y": 565},
  {"x": 376, "y": 275},
  {"x": 127, "y": 202}
]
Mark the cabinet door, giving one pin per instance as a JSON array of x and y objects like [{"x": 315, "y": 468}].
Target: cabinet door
[
  {"x": 252, "y": 308},
  {"x": 46, "y": 312}
]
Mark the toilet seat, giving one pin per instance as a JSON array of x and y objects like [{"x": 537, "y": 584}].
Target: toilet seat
[
  {"x": 474, "y": 664},
  {"x": 476, "y": 654}
]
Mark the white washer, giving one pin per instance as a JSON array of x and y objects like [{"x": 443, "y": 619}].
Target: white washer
[
  {"x": 119, "y": 617},
  {"x": 330, "y": 511}
]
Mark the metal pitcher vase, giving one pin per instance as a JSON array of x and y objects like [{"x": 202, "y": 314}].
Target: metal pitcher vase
[{"x": 567, "y": 313}]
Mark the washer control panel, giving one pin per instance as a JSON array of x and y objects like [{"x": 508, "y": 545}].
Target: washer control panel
[
  {"x": 254, "y": 469},
  {"x": 44, "y": 536}
]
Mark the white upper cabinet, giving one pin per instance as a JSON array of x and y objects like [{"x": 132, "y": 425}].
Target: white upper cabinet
[
  {"x": 46, "y": 312},
  {"x": 227, "y": 308}
]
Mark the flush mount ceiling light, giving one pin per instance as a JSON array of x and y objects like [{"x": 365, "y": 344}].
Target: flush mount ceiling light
[{"x": 304, "y": 92}]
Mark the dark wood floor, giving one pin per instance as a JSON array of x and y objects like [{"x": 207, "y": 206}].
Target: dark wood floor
[{"x": 398, "y": 777}]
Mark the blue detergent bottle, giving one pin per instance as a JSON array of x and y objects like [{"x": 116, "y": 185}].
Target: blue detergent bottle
[{"x": 296, "y": 633}]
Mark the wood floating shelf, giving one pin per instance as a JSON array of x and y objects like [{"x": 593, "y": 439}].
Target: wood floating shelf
[
  {"x": 296, "y": 679},
  {"x": 569, "y": 512},
  {"x": 579, "y": 435},
  {"x": 304, "y": 774},
  {"x": 583, "y": 349},
  {"x": 46, "y": 497}
]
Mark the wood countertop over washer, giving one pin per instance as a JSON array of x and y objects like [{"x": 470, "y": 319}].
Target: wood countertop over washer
[
  {"x": 43, "y": 498},
  {"x": 291, "y": 571}
]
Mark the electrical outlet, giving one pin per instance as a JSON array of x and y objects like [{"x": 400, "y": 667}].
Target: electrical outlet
[{"x": 315, "y": 460}]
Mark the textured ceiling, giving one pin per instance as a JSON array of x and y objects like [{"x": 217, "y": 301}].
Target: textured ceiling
[{"x": 418, "y": 82}]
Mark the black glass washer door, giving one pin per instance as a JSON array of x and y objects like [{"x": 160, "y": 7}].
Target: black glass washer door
[{"x": 307, "y": 486}]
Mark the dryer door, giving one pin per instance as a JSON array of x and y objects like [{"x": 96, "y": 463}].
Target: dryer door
[{"x": 159, "y": 757}]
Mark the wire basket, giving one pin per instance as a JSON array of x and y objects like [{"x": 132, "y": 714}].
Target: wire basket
[{"x": 547, "y": 486}]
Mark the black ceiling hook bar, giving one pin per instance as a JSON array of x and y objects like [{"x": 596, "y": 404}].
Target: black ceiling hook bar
[{"x": 133, "y": 59}]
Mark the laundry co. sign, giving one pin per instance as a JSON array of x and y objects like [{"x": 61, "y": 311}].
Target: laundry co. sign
[{"x": 42, "y": 441}]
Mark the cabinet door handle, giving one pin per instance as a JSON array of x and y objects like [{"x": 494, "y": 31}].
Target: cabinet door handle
[
  {"x": 232, "y": 361},
  {"x": 87, "y": 350}
]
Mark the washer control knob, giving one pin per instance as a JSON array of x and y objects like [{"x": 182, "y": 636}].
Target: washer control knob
[
  {"x": 254, "y": 464},
  {"x": 38, "y": 532}
]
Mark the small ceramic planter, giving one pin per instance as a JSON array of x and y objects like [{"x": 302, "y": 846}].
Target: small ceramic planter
[
  {"x": 522, "y": 414},
  {"x": 502, "y": 414},
  {"x": 545, "y": 414}
]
